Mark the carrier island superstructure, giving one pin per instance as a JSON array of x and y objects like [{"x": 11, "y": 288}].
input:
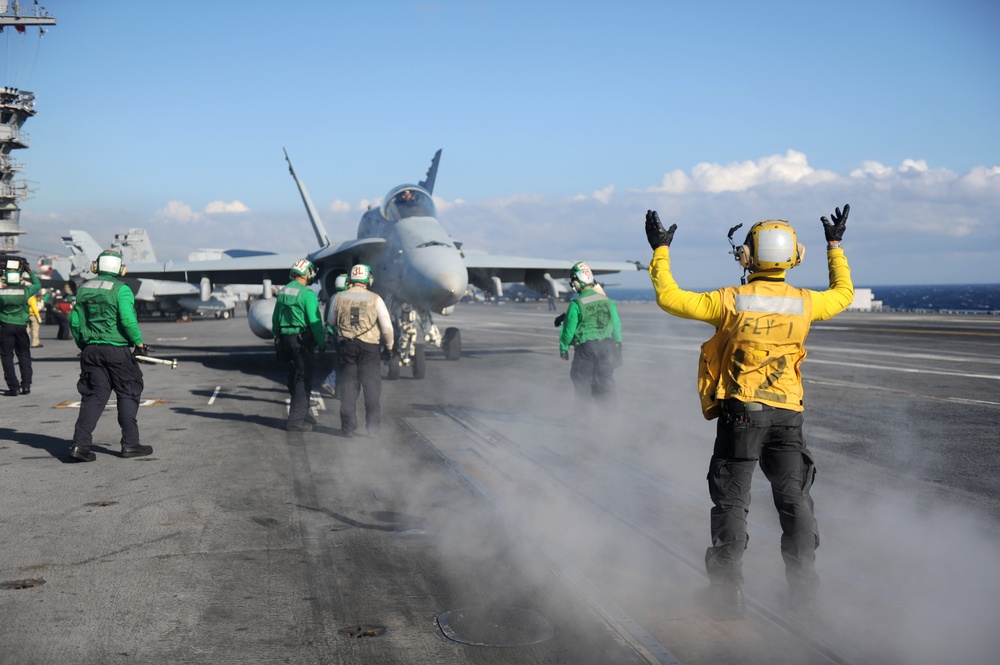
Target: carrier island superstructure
[{"x": 16, "y": 106}]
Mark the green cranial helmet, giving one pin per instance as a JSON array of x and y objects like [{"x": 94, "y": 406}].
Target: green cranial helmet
[
  {"x": 340, "y": 283},
  {"x": 303, "y": 268},
  {"x": 109, "y": 262},
  {"x": 12, "y": 277},
  {"x": 361, "y": 274},
  {"x": 581, "y": 276}
]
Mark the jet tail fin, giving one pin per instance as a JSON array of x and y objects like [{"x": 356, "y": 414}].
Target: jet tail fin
[
  {"x": 135, "y": 246},
  {"x": 321, "y": 237},
  {"x": 82, "y": 243},
  {"x": 428, "y": 182}
]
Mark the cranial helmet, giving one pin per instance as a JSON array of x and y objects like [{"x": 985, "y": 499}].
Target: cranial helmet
[
  {"x": 770, "y": 245},
  {"x": 581, "y": 276},
  {"x": 12, "y": 277},
  {"x": 340, "y": 283},
  {"x": 109, "y": 261},
  {"x": 361, "y": 274},
  {"x": 303, "y": 268}
]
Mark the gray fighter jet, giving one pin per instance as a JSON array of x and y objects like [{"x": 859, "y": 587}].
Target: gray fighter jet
[{"x": 417, "y": 267}]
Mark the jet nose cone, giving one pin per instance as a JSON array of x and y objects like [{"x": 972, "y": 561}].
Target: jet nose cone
[{"x": 449, "y": 287}]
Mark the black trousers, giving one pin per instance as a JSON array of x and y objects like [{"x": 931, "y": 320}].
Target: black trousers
[
  {"x": 593, "y": 372},
  {"x": 103, "y": 369},
  {"x": 774, "y": 438},
  {"x": 360, "y": 369},
  {"x": 63, "y": 322},
  {"x": 300, "y": 376},
  {"x": 14, "y": 339}
]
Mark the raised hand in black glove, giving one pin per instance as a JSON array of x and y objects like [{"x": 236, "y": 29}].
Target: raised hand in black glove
[
  {"x": 141, "y": 350},
  {"x": 559, "y": 319},
  {"x": 655, "y": 233},
  {"x": 835, "y": 230}
]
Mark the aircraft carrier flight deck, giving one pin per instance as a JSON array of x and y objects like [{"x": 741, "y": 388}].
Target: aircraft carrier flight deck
[{"x": 486, "y": 523}]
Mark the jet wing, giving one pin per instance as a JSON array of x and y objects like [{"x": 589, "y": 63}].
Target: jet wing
[
  {"x": 361, "y": 250},
  {"x": 255, "y": 269},
  {"x": 243, "y": 270},
  {"x": 484, "y": 267}
]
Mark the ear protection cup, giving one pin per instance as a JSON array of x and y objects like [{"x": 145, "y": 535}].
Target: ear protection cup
[{"x": 742, "y": 256}]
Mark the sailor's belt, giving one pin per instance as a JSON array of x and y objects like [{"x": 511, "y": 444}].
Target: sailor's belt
[{"x": 736, "y": 405}]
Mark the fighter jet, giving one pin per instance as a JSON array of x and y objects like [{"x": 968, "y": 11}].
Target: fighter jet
[
  {"x": 151, "y": 295},
  {"x": 418, "y": 269}
]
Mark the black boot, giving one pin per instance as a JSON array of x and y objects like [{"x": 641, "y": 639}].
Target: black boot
[
  {"x": 725, "y": 602},
  {"x": 81, "y": 454},
  {"x": 137, "y": 451}
]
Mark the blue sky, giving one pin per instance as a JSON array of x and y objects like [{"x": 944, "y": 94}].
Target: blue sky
[{"x": 561, "y": 123}]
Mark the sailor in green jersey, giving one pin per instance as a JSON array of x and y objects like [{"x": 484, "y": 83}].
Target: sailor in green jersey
[
  {"x": 104, "y": 326},
  {"x": 298, "y": 330},
  {"x": 14, "y": 311},
  {"x": 593, "y": 328}
]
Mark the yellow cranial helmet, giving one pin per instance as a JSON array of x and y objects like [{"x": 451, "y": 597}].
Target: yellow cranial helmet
[{"x": 770, "y": 245}]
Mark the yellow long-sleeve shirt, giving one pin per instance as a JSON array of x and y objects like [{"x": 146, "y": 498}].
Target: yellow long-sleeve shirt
[
  {"x": 707, "y": 306},
  {"x": 761, "y": 328}
]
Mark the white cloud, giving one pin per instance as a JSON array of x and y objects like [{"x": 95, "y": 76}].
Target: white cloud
[
  {"x": 338, "y": 206},
  {"x": 900, "y": 216},
  {"x": 601, "y": 195},
  {"x": 223, "y": 208},
  {"x": 910, "y": 223},
  {"x": 792, "y": 167},
  {"x": 177, "y": 211},
  {"x": 443, "y": 205},
  {"x": 981, "y": 180}
]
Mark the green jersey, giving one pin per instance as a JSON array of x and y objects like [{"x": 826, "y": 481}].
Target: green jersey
[
  {"x": 592, "y": 315},
  {"x": 297, "y": 310},
  {"x": 104, "y": 313},
  {"x": 14, "y": 302}
]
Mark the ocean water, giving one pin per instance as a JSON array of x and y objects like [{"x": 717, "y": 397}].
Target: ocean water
[{"x": 980, "y": 298}]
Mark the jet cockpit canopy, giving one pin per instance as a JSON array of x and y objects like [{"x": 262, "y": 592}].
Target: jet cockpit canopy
[{"x": 408, "y": 201}]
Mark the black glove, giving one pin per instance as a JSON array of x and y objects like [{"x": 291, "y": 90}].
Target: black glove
[
  {"x": 655, "y": 233},
  {"x": 559, "y": 319},
  {"x": 564, "y": 354},
  {"x": 386, "y": 354},
  {"x": 141, "y": 350},
  {"x": 835, "y": 230}
]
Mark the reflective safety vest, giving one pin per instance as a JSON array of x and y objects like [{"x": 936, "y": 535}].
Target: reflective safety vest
[
  {"x": 757, "y": 351},
  {"x": 96, "y": 312},
  {"x": 357, "y": 316},
  {"x": 596, "y": 320}
]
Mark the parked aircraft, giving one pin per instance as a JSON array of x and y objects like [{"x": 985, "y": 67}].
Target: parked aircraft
[
  {"x": 151, "y": 295},
  {"x": 418, "y": 269}
]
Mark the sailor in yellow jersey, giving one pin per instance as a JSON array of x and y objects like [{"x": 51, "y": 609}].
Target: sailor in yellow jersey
[{"x": 749, "y": 379}]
